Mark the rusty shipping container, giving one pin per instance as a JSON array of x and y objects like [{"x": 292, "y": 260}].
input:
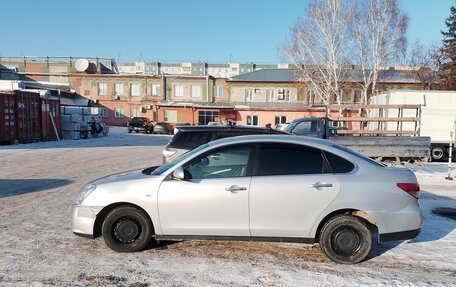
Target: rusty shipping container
[
  {"x": 7, "y": 117},
  {"x": 50, "y": 111},
  {"x": 28, "y": 116}
]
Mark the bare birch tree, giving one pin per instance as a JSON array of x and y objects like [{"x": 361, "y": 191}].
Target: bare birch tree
[
  {"x": 378, "y": 32},
  {"x": 426, "y": 61},
  {"x": 318, "y": 47}
]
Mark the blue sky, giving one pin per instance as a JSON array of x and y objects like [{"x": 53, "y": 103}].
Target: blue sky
[{"x": 171, "y": 30}]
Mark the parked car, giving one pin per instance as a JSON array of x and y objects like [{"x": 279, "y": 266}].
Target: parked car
[
  {"x": 140, "y": 124},
  {"x": 256, "y": 188},
  {"x": 190, "y": 137},
  {"x": 281, "y": 126},
  {"x": 178, "y": 126},
  {"x": 163, "y": 128}
]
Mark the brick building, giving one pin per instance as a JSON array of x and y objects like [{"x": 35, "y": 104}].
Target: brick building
[{"x": 258, "y": 97}]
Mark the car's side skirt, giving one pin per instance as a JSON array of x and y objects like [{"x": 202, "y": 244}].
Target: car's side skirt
[{"x": 236, "y": 238}]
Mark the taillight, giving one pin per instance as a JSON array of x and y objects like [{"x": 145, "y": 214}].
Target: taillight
[{"x": 411, "y": 188}]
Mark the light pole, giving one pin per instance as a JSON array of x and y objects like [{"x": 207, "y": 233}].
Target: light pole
[{"x": 450, "y": 152}]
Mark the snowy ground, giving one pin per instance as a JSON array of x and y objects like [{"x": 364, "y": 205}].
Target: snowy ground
[{"x": 38, "y": 183}]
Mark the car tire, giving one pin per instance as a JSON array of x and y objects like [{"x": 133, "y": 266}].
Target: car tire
[
  {"x": 438, "y": 153},
  {"x": 127, "y": 229},
  {"x": 129, "y": 131},
  {"x": 345, "y": 239}
]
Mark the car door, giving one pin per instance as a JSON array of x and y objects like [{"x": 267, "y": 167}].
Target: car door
[
  {"x": 213, "y": 197},
  {"x": 291, "y": 186}
]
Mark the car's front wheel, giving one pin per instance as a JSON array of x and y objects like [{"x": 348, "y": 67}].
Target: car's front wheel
[
  {"x": 127, "y": 229},
  {"x": 345, "y": 239}
]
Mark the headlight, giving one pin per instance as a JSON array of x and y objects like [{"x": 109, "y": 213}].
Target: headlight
[{"x": 85, "y": 191}]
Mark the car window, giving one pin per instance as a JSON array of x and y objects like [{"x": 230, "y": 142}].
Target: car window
[
  {"x": 358, "y": 155},
  {"x": 289, "y": 159},
  {"x": 306, "y": 127},
  {"x": 338, "y": 164},
  {"x": 226, "y": 162}
]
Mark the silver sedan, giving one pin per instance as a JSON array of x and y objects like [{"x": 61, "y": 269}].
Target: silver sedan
[{"x": 256, "y": 188}]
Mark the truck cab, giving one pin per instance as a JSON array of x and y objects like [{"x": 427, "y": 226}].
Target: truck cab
[{"x": 311, "y": 127}]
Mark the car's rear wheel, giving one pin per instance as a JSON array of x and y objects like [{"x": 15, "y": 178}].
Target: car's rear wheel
[
  {"x": 129, "y": 131},
  {"x": 127, "y": 229},
  {"x": 345, "y": 239}
]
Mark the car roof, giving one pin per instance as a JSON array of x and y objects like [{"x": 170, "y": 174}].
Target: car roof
[
  {"x": 216, "y": 128},
  {"x": 273, "y": 138}
]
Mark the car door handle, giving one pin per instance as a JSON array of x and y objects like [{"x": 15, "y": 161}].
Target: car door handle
[
  {"x": 318, "y": 185},
  {"x": 235, "y": 188}
]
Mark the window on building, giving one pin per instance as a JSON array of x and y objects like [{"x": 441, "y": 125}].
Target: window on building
[
  {"x": 134, "y": 90},
  {"x": 287, "y": 95},
  {"x": 170, "y": 116},
  {"x": 234, "y": 69},
  {"x": 186, "y": 69},
  {"x": 134, "y": 113},
  {"x": 118, "y": 89},
  {"x": 155, "y": 90},
  {"x": 218, "y": 91},
  {"x": 248, "y": 97},
  {"x": 280, "y": 120},
  {"x": 357, "y": 96},
  {"x": 118, "y": 113},
  {"x": 195, "y": 91},
  {"x": 310, "y": 97},
  {"x": 269, "y": 95},
  {"x": 204, "y": 117},
  {"x": 178, "y": 91},
  {"x": 252, "y": 120},
  {"x": 242, "y": 70},
  {"x": 104, "y": 112},
  {"x": 102, "y": 89}
]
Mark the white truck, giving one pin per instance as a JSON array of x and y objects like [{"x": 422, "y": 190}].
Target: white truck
[{"x": 437, "y": 118}]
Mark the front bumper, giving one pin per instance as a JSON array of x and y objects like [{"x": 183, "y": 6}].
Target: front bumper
[{"x": 83, "y": 219}]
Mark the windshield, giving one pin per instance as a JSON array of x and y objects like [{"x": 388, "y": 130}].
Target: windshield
[
  {"x": 186, "y": 155},
  {"x": 303, "y": 127}
]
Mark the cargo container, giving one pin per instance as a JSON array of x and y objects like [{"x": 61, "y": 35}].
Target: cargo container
[
  {"x": 28, "y": 111},
  {"x": 7, "y": 117},
  {"x": 50, "y": 112}
]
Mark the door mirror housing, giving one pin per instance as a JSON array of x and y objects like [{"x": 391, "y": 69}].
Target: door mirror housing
[{"x": 178, "y": 173}]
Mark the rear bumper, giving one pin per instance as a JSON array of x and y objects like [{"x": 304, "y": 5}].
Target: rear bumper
[{"x": 395, "y": 236}]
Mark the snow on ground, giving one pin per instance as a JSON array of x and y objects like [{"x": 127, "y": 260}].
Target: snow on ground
[{"x": 39, "y": 181}]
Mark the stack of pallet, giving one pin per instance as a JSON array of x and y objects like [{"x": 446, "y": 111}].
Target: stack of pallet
[{"x": 76, "y": 121}]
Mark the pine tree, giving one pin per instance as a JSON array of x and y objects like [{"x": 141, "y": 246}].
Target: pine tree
[{"x": 448, "y": 70}]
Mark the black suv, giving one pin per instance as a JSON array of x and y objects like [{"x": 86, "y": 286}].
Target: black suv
[
  {"x": 190, "y": 137},
  {"x": 140, "y": 124}
]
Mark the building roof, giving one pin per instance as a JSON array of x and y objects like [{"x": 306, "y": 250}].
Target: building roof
[
  {"x": 266, "y": 75},
  {"x": 289, "y": 76}
]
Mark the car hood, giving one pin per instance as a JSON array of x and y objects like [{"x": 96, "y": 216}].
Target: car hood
[{"x": 123, "y": 176}]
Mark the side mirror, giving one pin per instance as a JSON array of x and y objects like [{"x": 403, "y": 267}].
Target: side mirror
[{"x": 178, "y": 173}]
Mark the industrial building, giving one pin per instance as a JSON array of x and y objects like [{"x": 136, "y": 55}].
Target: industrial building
[{"x": 188, "y": 92}]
